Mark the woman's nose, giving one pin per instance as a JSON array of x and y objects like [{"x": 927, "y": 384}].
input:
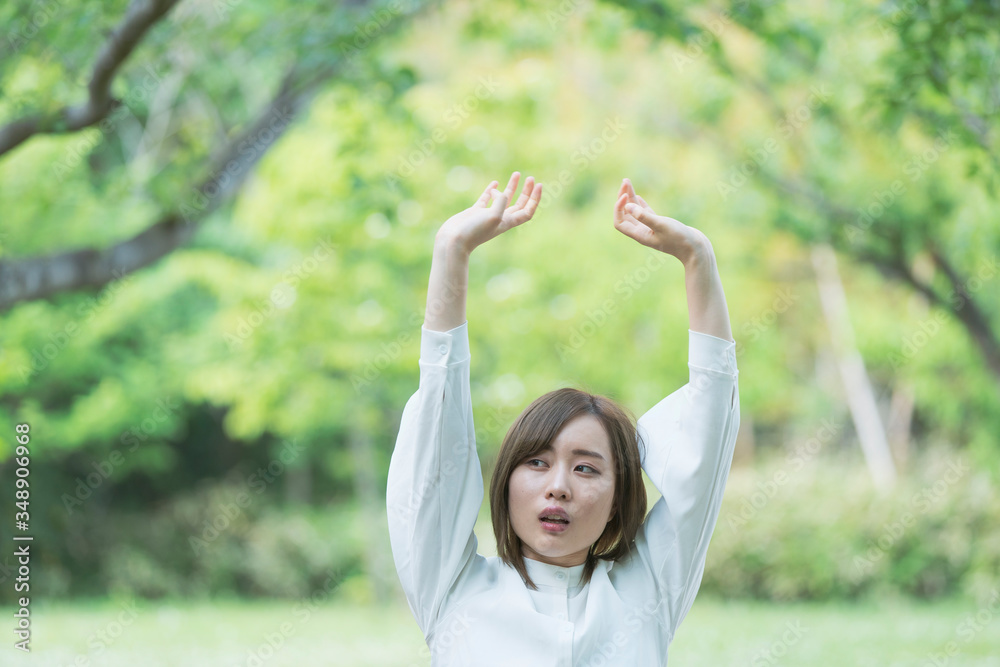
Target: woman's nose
[{"x": 558, "y": 485}]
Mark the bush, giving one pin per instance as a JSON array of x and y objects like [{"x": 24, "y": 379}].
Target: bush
[
  {"x": 785, "y": 532},
  {"x": 788, "y": 531},
  {"x": 205, "y": 544}
]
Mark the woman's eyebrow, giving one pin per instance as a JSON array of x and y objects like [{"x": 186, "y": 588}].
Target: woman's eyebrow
[{"x": 579, "y": 452}]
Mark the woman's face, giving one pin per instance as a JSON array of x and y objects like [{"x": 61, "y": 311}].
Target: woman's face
[{"x": 581, "y": 483}]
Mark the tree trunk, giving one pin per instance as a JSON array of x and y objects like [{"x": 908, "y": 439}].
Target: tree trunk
[
  {"x": 860, "y": 397},
  {"x": 900, "y": 421}
]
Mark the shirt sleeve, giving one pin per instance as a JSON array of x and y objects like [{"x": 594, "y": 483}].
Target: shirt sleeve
[
  {"x": 689, "y": 438},
  {"x": 435, "y": 483}
]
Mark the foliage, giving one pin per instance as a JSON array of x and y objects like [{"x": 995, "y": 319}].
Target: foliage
[
  {"x": 819, "y": 531},
  {"x": 294, "y": 314},
  {"x": 218, "y": 540}
]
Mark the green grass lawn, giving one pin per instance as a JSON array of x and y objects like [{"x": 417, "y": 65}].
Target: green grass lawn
[{"x": 716, "y": 633}]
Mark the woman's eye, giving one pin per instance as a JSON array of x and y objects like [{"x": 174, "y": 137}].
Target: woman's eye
[{"x": 529, "y": 462}]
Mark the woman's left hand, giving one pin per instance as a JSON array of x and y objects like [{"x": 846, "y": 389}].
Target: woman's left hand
[
  {"x": 637, "y": 220},
  {"x": 482, "y": 221}
]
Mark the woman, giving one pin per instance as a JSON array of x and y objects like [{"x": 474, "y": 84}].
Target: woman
[{"x": 583, "y": 577}]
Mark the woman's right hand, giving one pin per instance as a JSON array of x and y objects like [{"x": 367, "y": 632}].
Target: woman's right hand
[
  {"x": 481, "y": 222},
  {"x": 637, "y": 220}
]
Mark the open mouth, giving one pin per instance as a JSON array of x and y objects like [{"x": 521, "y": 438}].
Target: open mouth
[{"x": 555, "y": 525}]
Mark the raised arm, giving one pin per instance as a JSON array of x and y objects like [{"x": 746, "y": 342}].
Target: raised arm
[
  {"x": 460, "y": 235},
  {"x": 689, "y": 435},
  {"x": 435, "y": 485},
  {"x": 707, "y": 311}
]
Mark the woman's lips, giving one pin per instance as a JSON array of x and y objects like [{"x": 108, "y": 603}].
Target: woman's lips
[{"x": 553, "y": 527}]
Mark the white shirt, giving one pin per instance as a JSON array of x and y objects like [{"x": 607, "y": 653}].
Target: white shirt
[{"x": 476, "y": 611}]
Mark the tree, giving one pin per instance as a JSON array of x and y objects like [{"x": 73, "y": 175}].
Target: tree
[
  {"x": 929, "y": 67},
  {"x": 316, "y": 64}
]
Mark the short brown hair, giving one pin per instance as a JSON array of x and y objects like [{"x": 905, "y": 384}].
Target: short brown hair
[{"x": 533, "y": 431}]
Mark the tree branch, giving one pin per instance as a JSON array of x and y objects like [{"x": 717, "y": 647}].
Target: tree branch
[
  {"x": 977, "y": 126},
  {"x": 38, "y": 277},
  {"x": 968, "y": 312},
  {"x": 139, "y": 18}
]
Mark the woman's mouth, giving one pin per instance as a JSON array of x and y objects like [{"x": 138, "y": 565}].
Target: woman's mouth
[{"x": 554, "y": 525}]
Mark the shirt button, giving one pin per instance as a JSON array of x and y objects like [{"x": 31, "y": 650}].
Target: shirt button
[
  {"x": 442, "y": 349},
  {"x": 560, "y": 575},
  {"x": 561, "y": 616}
]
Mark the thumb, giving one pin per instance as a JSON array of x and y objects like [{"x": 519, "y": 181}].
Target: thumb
[
  {"x": 635, "y": 211},
  {"x": 499, "y": 201}
]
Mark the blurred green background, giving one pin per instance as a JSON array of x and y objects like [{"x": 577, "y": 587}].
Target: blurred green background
[{"x": 211, "y": 426}]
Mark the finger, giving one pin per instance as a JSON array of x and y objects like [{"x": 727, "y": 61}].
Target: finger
[
  {"x": 635, "y": 231},
  {"x": 499, "y": 202},
  {"x": 620, "y": 205},
  {"x": 484, "y": 199},
  {"x": 629, "y": 189},
  {"x": 642, "y": 215},
  {"x": 517, "y": 217},
  {"x": 642, "y": 203},
  {"x": 512, "y": 184},
  {"x": 536, "y": 197},
  {"x": 529, "y": 184}
]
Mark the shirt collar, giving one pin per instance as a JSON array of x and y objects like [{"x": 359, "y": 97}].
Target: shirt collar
[{"x": 555, "y": 576}]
